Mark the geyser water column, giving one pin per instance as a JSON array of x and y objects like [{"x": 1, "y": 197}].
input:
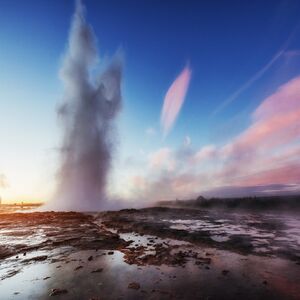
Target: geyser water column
[{"x": 89, "y": 109}]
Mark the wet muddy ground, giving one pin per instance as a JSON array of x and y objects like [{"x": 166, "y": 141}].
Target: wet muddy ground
[{"x": 154, "y": 253}]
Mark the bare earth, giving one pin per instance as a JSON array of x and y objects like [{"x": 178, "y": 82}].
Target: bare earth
[{"x": 154, "y": 253}]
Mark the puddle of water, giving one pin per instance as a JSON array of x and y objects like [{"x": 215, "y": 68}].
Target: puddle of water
[
  {"x": 284, "y": 229},
  {"x": 219, "y": 238},
  {"x": 156, "y": 282}
]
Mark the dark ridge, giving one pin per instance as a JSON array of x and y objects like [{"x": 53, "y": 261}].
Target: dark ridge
[{"x": 290, "y": 202}]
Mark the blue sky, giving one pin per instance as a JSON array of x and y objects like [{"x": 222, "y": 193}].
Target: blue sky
[{"x": 225, "y": 43}]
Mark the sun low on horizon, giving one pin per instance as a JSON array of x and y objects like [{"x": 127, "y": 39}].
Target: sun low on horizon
[{"x": 186, "y": 99}]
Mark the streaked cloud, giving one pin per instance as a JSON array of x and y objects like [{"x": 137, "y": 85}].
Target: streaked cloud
[
  {"x": 292, "y": 53},
  {"x": 205, "y": 153},
  {"x": 283, "y": 51},
  {"x": 174, "y": 100},
  {"x": 248, "y": 83}
]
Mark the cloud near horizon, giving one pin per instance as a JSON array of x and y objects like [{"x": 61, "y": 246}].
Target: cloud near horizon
[
  {"x": 174, "y": 100},
  {"x": 3, "y": 181},
  {"x": 265, "y": 154}
]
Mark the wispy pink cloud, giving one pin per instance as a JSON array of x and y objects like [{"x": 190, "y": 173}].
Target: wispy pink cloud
[
  {"x": 275, "y": 124},
  {"x": 174, "y": 100},
  {"x": 287, "y": 174},
  {"x": 205, "y": 153},
  {"x": 284, "y": 100},
  {"x": 162, "y": 159},
  {"x": 139, "y": 182}
]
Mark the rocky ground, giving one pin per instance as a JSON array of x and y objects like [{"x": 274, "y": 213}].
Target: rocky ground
[{"x": 154, "y": 253}]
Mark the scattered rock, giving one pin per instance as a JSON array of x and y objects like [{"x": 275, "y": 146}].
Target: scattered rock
[
  {"x": 203, "y": 260},
  {"x": 265, "y": 282},
  {"x": 134, "y": 285},
  {"x": 37, "y": 258},
  {"x": 110, "y": 252},
  {"x": 164, "y": 292},
  {"x": 55, "y": 292},
  {"x": 90, "y": 258},
  {"x": 97, "y": 270},
  {"x": 77, "y": 268},
  {"x": 225, "y": 272},
  {"x": 11, "y": 273},
  {"x": 47, "y": 277}
]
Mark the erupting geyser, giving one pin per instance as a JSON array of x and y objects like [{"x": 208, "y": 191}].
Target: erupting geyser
[{"x": 90, "y": 106}]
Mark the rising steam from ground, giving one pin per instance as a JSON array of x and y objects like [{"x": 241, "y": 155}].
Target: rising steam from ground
[{"x": 90, "y": 106}]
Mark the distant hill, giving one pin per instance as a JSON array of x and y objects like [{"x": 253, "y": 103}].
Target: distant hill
[{"x": 268, "y": 203}]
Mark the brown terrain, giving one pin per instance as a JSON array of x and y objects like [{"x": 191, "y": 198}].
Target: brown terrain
[{"x": 153, "y": 253}]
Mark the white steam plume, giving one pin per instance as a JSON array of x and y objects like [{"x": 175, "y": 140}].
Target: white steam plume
[{"x": 87, "y": 114}]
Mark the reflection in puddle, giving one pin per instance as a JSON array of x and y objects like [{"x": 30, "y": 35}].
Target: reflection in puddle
[
  {"x": 35, "y": 281},
  {"x": 267, "y": 232}
]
